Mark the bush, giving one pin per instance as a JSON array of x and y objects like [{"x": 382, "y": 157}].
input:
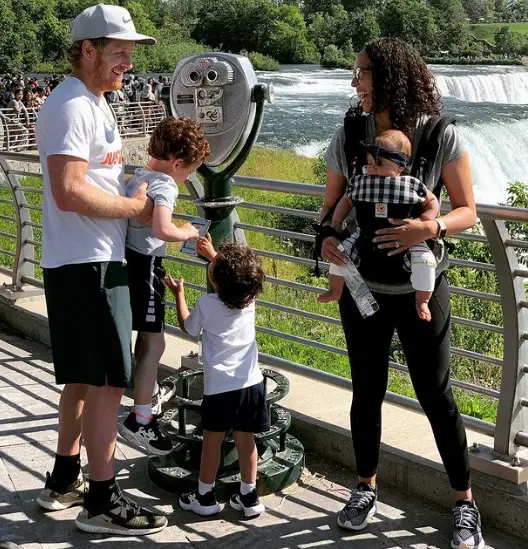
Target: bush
[
  {"x": 262, "y": 62},
  {"x": 333, "y": 58}
]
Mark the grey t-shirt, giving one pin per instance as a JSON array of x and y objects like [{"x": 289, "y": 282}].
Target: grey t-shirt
[
  {"x": 450, "y": 149},
  {"x": 163, "y": 191}
]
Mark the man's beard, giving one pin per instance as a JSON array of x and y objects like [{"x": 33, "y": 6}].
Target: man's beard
[{"x": 102, "y": 81}]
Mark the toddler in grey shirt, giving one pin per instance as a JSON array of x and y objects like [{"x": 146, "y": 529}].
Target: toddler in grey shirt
[{"x": 177, "y": 148}]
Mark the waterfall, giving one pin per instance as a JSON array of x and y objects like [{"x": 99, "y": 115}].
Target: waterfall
[{"x": 507, "y": 87}]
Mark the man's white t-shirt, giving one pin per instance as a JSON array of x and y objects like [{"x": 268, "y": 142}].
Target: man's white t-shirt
[
  {"x": 75, "y": 122},
  {"x": 229, "y": 348}
]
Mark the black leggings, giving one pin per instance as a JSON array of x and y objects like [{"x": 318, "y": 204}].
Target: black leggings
[{"x": 426, "y": 346}]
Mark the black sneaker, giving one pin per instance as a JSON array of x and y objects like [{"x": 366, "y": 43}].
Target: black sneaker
[
  {"x": 150, "y": 436},
  {"x": 204, "y": 505},
  {"x": 55, "y": 498},
  {"x": 467, "y": 531},
  {"x": 122, "y": 517},
  {"x": 167, "y": 389},
  {"x": 360, "y": 506},
  {"x": 250, "y": 503}
]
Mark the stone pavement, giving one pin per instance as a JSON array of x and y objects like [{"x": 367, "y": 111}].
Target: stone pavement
[{"x": 301, "y": 517}]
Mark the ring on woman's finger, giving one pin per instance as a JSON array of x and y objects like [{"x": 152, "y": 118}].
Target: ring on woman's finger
[{"x": 397, "y": 244}]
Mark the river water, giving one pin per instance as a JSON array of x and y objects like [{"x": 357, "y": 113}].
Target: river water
[{"x": 489, "y": 103}]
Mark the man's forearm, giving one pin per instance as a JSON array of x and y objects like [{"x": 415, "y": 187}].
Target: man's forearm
[{"x": 85, "y": 199}]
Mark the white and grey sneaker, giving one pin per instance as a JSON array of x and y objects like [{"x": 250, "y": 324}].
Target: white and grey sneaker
[
  {"x": 167, "y": 389},
  {"x": 204, "y": 505},
  {"x": 467, "y": 531},
  {"x": 360, "y": 506},
  {"x": 122, "y": 517},
  {"x": 150, "y": 436},
  {"x": 53, "y": 498},
  {"x": 250, "y": 504}
]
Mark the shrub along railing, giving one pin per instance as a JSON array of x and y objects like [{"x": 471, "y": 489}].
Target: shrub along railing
[
  {"x": 17, "y": 129},
  {"x": 490, "y": 328}
]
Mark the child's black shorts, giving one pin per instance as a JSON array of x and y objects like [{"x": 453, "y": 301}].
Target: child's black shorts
[
  {"x": 241, "y": 410},
  {"x": 147, "y": 291}
]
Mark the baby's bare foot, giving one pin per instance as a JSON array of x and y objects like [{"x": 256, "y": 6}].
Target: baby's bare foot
[{"x": 328, "y": 296}]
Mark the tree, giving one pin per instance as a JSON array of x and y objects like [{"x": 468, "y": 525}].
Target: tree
[
  {"x": 364, "y": 26},
  {"x": 451, "y": 22},
  {"x": 411, "y": 20},
  {"x": 11, "y": 45},
  {"x": 507, "y": 41}
]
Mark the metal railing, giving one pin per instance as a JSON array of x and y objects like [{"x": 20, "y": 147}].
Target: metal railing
[
  {"x": 20, "y": 238},
  {"x": 17, "y": 129}
]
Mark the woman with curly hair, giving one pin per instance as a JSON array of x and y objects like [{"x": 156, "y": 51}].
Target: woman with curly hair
[{"x": 397, "y": 91}]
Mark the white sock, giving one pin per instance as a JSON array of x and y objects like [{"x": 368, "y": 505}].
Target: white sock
[
  {"x": 156, "y": 389},
  {"x": 143, "y": 413},
  {"x": 203, "y": 488},
  {"x": 246, "y": 488}
]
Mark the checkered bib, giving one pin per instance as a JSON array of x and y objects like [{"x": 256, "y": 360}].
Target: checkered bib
[{"x": 376, "y": 200}]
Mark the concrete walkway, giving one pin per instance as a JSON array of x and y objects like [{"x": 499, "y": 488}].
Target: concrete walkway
[{"x": 302, "y": 517}]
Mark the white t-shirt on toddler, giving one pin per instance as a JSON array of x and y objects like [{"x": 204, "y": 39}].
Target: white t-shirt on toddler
[{"x": 229, "y": 348}]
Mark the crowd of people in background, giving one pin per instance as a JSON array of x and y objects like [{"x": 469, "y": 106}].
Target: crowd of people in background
[
  {"x": 21, "y": 92},
  {"x": 22, "y": 97}
]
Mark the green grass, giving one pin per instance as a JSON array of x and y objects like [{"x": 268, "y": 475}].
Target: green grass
[
  {"x": 287, "y": 165},
  {"x": 486, "y": 31}
]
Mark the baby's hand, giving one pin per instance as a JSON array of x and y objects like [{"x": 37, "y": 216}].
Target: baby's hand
[{"x": 174, "y": 287}]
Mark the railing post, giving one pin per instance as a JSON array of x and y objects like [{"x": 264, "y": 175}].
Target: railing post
[
  {"x": 24, "y": 249},
  {"x": 144, "y": 118},
  {"x": 512, "y": 416}
]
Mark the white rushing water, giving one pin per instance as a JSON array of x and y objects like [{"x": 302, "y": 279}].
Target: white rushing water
[
  {"x": 511, "y": 88},
  {"x": 489, "y": 103}
]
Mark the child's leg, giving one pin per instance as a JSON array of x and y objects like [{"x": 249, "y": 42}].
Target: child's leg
[
  {"x": 423, "y": 274},
  {"x": 210, "y": 460},
  {"x": 152, "y": 347},
  {"x": 247, "y": 459},
  {"x": 336, "y": 287},
  {"x": 202, "y": 500}
]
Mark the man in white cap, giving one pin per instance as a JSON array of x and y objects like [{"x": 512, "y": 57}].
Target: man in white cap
[{"x": 85, "y": 276}]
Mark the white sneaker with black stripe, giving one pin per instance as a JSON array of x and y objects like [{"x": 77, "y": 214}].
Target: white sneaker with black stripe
[
  {"x": 201, "y": 504},
  {"x": 249, "y": 503},
  {"x": 122, "y": 517}
]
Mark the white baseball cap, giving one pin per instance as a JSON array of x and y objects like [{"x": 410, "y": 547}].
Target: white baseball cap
[{"x": 104, "y": 21}]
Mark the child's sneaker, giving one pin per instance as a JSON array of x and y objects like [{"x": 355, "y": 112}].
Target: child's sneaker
[
  {"x": 204, "y": 505},
  {"x": 250, "y": 503},
  {"x": 150, "y": 436}
]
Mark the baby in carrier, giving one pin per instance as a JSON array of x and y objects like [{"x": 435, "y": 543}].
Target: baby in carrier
[{"x": 383, "y": 194}]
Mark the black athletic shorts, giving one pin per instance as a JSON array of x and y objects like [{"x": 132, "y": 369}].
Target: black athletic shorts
[
  {"x": 241, "y": 410},
  {"x": 147, "y": 291},
  {"x": 90, "y": 323}
]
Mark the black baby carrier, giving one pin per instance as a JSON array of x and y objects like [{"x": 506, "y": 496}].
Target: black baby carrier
[{"x": 380, "y": 267}]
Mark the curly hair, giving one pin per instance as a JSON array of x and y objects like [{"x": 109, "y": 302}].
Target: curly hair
[
  {"x": 401, "y": 83},
  {"x": 238, "y": 275},
  {"x": 179, "y": 138}
]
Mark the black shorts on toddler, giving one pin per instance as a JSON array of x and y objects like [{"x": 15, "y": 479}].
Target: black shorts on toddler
[
  {"x": 147, "y": 291},
  {"x": 242, "y": 410}
]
